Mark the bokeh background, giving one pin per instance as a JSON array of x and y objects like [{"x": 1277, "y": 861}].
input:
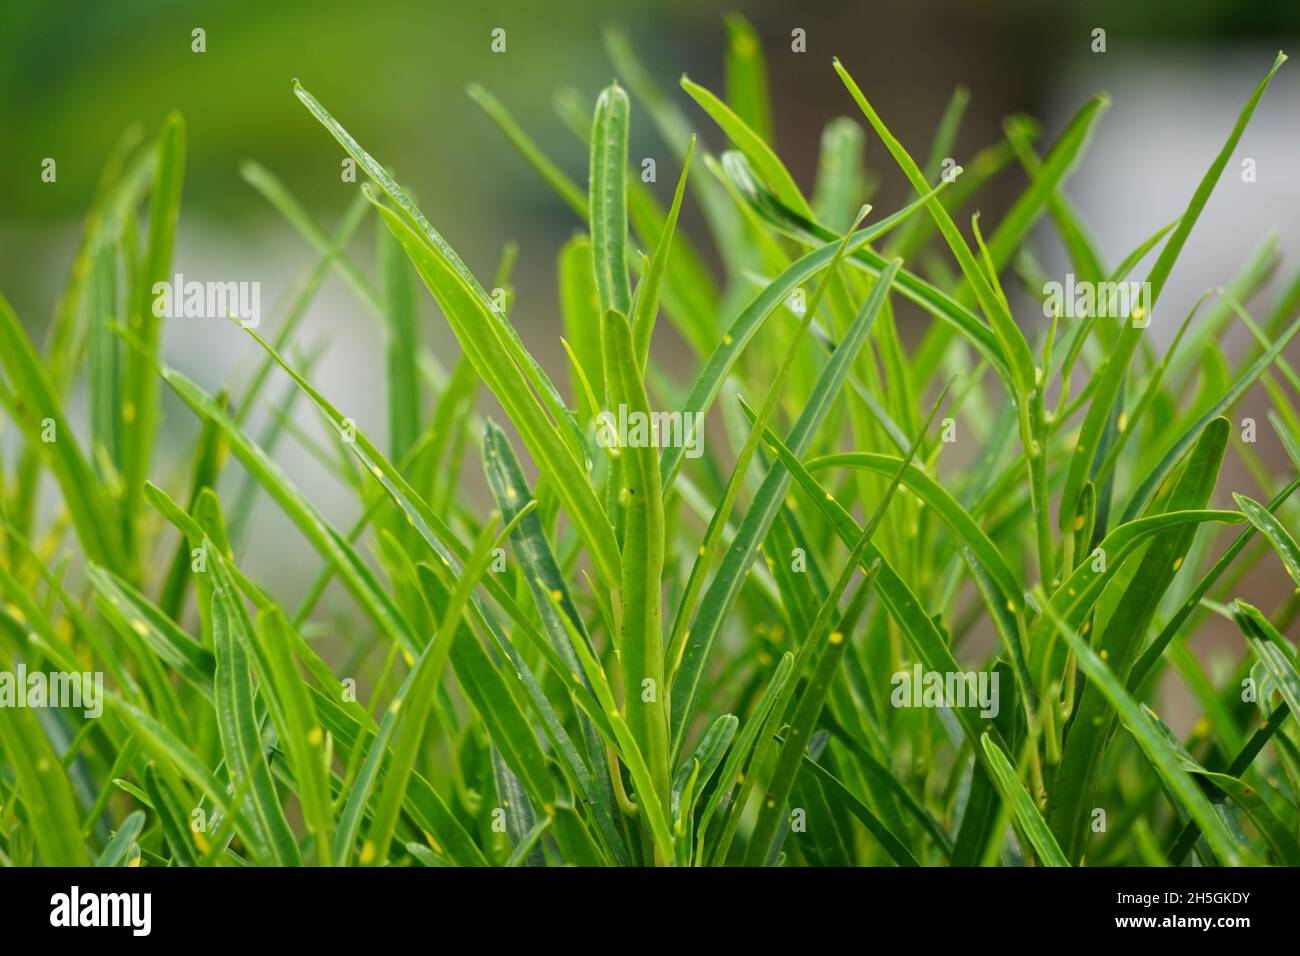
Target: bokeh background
[{"x": 74, "y": 75}]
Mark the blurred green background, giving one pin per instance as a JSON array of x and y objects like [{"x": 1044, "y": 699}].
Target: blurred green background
[{"x": 73, "y": 75}]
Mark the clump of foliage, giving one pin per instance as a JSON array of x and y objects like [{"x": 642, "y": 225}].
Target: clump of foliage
[{"x": 641, "y": 656}]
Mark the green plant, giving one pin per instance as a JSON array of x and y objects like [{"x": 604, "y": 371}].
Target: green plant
[{"x": 640, "y": 656}]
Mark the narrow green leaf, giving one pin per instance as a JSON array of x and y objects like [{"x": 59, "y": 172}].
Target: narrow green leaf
[
  {"x": 740, "y": 752},
  {"x": 1285, "y": 545},
  {"x": 1122, "y": 639},
  {"x": 641, "y": 649},
  {"x": 1278, "y": 835},
  {"x": 1158, "y": 751},
  {"x": 766, "y": 162},
  {"x": 841, "y": 184},
  {"x": 746, "y": 76},
  {"x": 35, "y": 409},
  {"x": 561, "y": 183},
  {"x": 647, "y": 291},
  {"x": 401, "y": 349},
  {"x": 1015, "y": 349},
  {"x": 469, "y": 316},
  {"x": 237, "y": 723},
  {"x": 49, "y": 807},
  {"x": 120, "y": 849},
  {"x": 427, "y": 248},
  {"x": 1272, "y": 649},
  {"x": 528, "y": 841},
  {"x": 1156, "y": 476},
  {"x": 358, "y": 577},
  {"x": 693, "y": 776},
  {"x": 175, "y": 822},
  {"x": 608, "y": 199},
  {"x": 580, "y": 309},
  {"x": 1151, "y": 656},
  {"x": 688, "y": 673},
  {"x": 299, "y": 729},
  {"x": 1022, "y": 805},
  {"x": 140, "y": 409},
  {"x": 413, "y": 703}
]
